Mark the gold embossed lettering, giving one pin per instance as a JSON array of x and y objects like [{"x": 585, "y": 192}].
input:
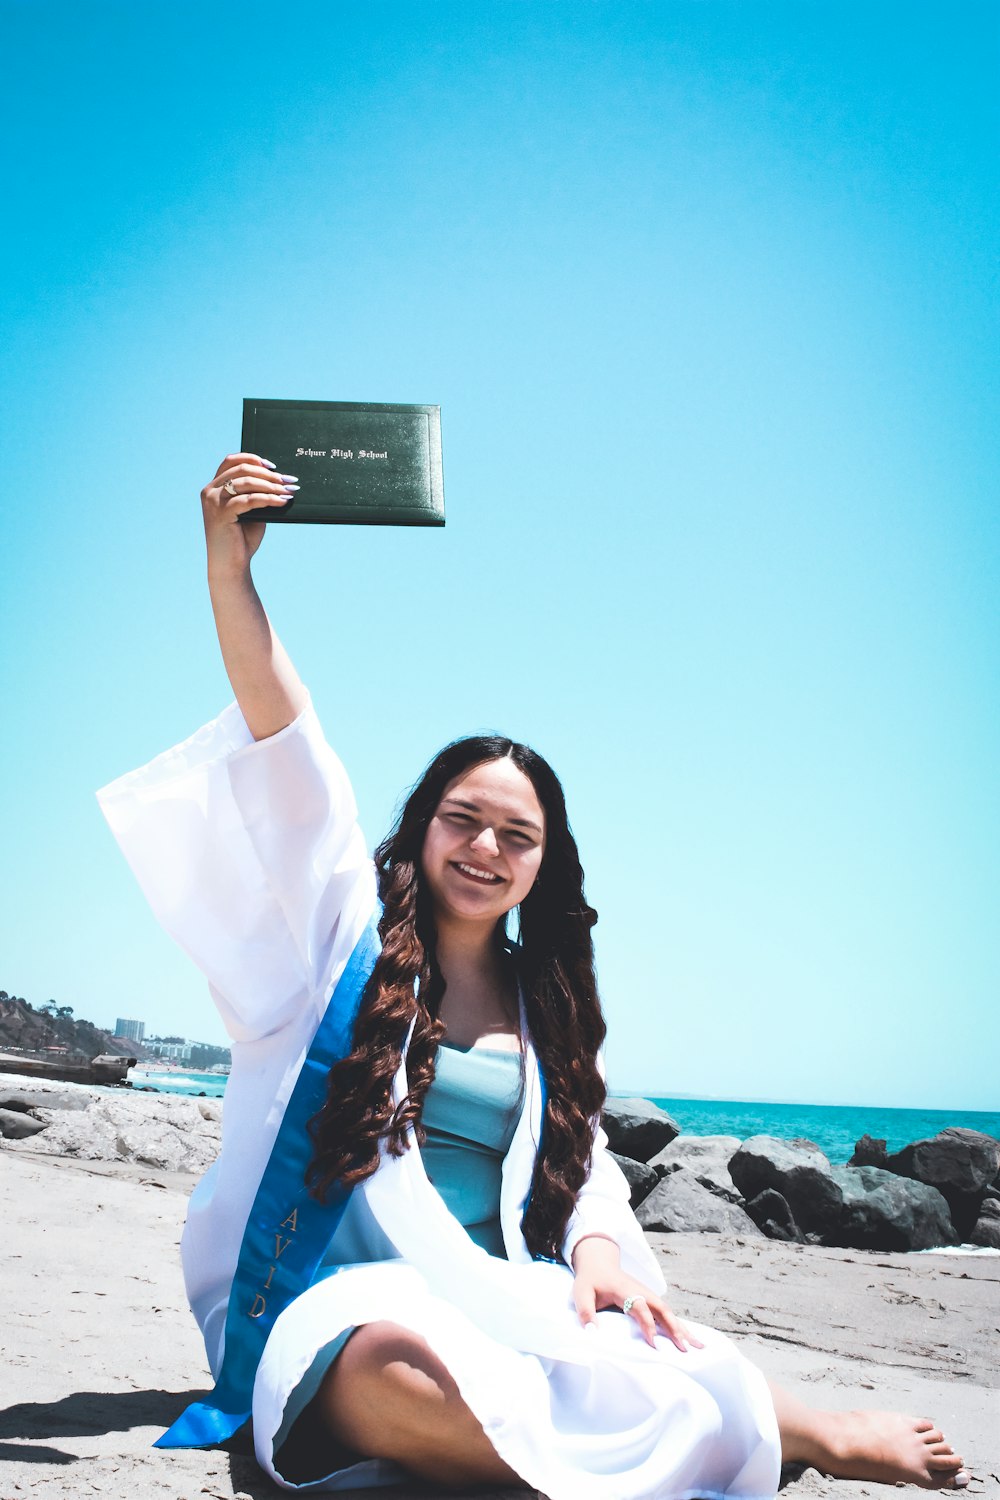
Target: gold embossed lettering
[
  {"x": 292, "y": 1222},
  {"x": 256, "y": 1311},
  {"x": 270, "y": 1273},
  {"x": 280, "y": 1246}
]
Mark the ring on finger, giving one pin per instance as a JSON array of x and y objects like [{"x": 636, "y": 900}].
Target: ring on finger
[
  {"x": 230, "y": 488},
  {"x": 630, "y": 1302}
]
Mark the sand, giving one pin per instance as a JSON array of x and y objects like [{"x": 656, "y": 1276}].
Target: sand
[{"x": 100, "y": 1352}]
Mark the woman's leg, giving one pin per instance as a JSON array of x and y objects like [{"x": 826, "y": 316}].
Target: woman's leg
[
  {"x": 878, "y": 1445},
  {"x": 387, "y": 1395}
]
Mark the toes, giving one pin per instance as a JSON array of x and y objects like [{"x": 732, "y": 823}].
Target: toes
[
  {"x": 933, "y": 1436},
  {"x": 943, "y": 1461}
]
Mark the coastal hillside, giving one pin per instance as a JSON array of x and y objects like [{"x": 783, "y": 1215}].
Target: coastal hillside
[{"x": 53, "y": 1028}]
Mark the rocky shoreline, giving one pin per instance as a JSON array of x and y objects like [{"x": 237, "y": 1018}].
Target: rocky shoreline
[
  {"x": 166, "y": 1132},
  {"x": 935, "y": 1193}
]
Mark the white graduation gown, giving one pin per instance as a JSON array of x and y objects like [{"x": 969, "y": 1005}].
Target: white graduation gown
[{"x": 252, "y": 859}]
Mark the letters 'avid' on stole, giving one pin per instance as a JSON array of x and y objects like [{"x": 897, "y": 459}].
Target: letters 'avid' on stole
[{"x": 287, "y": 1231}]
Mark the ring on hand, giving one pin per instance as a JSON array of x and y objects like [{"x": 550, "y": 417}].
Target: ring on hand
[
  {"x": 230, "y": 487},
  {"x": 630, "y": 1302}
]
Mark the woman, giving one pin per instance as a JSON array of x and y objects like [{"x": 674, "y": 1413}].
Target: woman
[{"x": 414, "y": 1252}]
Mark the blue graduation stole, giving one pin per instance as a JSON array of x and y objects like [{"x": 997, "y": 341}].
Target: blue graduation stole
[{"x": 287, "y": 1231}]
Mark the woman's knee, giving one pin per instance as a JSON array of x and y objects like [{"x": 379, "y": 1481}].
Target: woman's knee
[
  {"x": 397, "y": 1358},
  {"x": 386, "y": 1384},
  {"x": 390, "y": 1396}
]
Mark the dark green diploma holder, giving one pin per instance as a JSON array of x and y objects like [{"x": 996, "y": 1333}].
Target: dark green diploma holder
[{"x": 358, "y": 464}]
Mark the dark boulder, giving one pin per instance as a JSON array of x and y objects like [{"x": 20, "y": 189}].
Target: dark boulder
[
  {"x": 960, "y": 1163},
  {"x": 17, "y": 1126},
  {"x": 885, "y": 1212},
  {"x": 798, "y": 1171},
  {"x": 24, "y": 1099},
  {"x": 680, "y": 1205},
  {"x": 869, "y": 1152},
  {"x": 986, "y": 1230},
  {"x": 641, "y": 1178},
  {"x": 636, "y": 1128},
  {"x": 959, "y": 1160},
  {"x": 707, "y": 1156},
  {"x": 772, "y": 1215}
]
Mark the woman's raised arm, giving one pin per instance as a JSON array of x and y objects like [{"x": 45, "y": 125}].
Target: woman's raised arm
[{"x": 268, "y": 689}]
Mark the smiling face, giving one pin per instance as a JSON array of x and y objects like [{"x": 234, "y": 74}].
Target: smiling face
[{"x": 484, "y": 844}]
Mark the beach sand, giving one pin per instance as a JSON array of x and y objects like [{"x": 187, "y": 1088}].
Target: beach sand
[{"x": 100, "y": 1352}]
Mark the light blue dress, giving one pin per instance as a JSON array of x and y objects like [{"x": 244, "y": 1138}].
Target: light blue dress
[{"x": 470, "y": 1112}]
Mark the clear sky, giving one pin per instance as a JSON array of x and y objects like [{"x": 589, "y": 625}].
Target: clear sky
[{"x": 706, "y": 292}]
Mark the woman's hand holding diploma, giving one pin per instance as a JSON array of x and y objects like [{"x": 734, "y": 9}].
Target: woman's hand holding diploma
[
  {"x": 267, "y": 687},
  {"x": 600, "y": 1283}
]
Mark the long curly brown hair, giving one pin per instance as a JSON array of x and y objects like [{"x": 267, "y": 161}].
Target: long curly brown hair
[{"x": 555, "y": 961}]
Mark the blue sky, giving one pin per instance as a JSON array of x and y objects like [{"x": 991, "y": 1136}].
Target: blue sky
[{"x": 706, "y": 292}]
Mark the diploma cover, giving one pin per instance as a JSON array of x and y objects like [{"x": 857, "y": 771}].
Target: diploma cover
[{"x": 358, "y": 464}]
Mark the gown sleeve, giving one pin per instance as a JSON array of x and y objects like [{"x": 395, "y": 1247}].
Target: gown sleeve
[{"x": 250, "y": 855}]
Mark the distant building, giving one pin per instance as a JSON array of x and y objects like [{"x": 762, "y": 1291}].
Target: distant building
[
  {"x": 132, "y": 1031},
  {"x": 173, "y": 1051}
]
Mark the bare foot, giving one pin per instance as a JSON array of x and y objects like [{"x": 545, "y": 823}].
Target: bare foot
[{"x": 887, "y": 1447}]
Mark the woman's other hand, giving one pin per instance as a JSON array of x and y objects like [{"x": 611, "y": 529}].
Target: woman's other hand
[
  {"x": 243, "y": 482},
  {"x": 601, "y": 1283}
]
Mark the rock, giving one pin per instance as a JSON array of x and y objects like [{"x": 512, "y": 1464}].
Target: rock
[
  {"x": 707, "y": 1156},
  {"x": 641, "y": 1179},
  {"x": 883, "y": 1211},
  {"x": 25, "y": 1099},
  {"x": 956, "y": 1160},
  {"x": 987, "y": 1227},
  {"x": 960, "y": 1163},
  {"x": 798, "y": 1171},
  {"x": 772, "y": 1215},
  {"x": 15, "y": 1125},
  {"x": 869, "y": 1153},
  {"x": 169, "y": 1132},
  {"x": 636, "y": 1128},
  {"x": 679, "y": 1204}
]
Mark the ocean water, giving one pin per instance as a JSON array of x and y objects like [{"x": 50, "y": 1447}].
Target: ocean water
[
  {"x": 212, "y": 1085},
  {"x": 834, "y": 1128}
]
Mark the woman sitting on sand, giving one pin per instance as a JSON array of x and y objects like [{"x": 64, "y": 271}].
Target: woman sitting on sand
[{"x": 414, "y": 1252}]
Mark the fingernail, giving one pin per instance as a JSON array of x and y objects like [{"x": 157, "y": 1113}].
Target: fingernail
[
  {"x": 268, "y": 464},
  {"x": 287, "y": 476},
  {"x": 289, "y": 491}
]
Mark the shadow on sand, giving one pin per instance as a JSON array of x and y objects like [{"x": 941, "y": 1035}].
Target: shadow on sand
[{"x": 97, "y": 1413}]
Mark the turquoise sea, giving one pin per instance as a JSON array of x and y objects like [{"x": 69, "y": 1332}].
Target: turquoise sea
[
  {"x": 212, "y": 1085},
  {"x": 834, "y": 1128}
]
